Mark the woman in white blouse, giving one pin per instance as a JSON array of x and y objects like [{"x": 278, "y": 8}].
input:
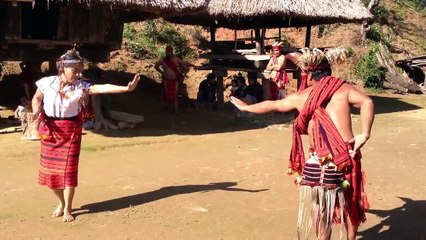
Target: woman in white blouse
[{"x": 58, "y": 103}]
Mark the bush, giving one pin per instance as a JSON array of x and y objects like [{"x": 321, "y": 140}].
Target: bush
[
  {"x": 151, "y": 40},
  {"x": 368, "y": 69},
  {"x": 418, "y": 5}
]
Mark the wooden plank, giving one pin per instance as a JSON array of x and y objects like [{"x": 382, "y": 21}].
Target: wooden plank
[
  {"x": 78, "y": 19},
  {"x": 13, "y": 23},
  {"x": 252, "y": 57},
  {"x": 38, "y": 41},
  {"x": 243, "y": 69},
  {"x": 96, "y": 25},
  {"x": 63, "y": 29}
]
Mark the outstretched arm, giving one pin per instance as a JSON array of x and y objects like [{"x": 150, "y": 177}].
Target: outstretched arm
[
  {"x": 183, "y": 62},
  {"x": 366, "y": 106},
  {"x": 110, "y": 88},
  {"x": 283, "y": 105}
]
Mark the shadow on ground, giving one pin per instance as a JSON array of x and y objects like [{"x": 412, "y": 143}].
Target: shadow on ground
[
  {"x": 405, "y": 222},
  {"x": 165, "y": 192},
  {"x": 392, "y": 104}
]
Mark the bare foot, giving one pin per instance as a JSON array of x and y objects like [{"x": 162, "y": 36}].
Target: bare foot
[
  {"x": 67, "y": 216},
  {"x": 59, "y": 211}
]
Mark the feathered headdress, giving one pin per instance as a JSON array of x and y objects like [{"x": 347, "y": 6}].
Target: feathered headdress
[
  {"x": 277, "y": 46},
  {"x": 315, "y": 59}
]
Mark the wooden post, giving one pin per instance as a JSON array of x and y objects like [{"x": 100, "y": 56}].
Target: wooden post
[
  {"x": 235, "y": 39},
  {"x": 220, "y": 74},
  {"x": 279, "y": 35},
  {"x": 260, "y": 40},
  {"x": 213, "y": 39},
  {"x": 308, "y": 35},
  {"x": 219, "y": 91}
]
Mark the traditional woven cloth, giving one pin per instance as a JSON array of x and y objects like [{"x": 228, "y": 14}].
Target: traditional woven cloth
[
  {"x": 329, "y": 146},
  {"x": 169, "y": 90},
  {"x": 278, "y": 83},
  {"x": 60, "y": 152}
]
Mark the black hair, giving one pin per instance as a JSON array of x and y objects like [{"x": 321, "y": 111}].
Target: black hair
[
  {"x": 211, "y": 76},
  {"x": 240, "y": 79},
  {"x": 323, "y": 70}
]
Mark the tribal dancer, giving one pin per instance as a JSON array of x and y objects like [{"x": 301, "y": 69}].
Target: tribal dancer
[
  {"x": 172, "y": 78},
  {"x": 331, "y": 180},
  {"x": 58, "y": 103},
  {"x": 278, "y": 79}
]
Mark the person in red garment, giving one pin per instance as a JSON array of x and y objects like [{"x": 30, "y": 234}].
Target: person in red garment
[
  {"x": 278, "y": 78},
  {"x": 331, "y": 180},
  {"x": 172, "y": 78},
  {"x": 58, "y": 104}
]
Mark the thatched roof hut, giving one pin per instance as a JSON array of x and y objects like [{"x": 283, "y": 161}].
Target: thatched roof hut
[
  {"x": 249, "y": 14},
  {"x": 42, "y": 29},
  {"x": 153, "y": 5},
  {"x": 139, "y": 10}
]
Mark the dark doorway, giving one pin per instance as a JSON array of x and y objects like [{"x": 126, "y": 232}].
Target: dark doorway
[{"x": 40, "y": 22}]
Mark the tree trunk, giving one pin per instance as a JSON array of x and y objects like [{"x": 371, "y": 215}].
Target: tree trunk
[{"x": 393, "y": 79}]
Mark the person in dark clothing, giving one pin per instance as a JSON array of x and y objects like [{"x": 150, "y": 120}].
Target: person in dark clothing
[
  {"x": 207, "y": 90},
  {"x": 254, "y": 90}
]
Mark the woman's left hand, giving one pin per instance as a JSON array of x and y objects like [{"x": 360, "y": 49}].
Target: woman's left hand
[{"x": 132, "y": 84}]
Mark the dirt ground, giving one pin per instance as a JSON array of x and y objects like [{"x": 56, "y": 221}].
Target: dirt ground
[{"x": 205, "y": 175}]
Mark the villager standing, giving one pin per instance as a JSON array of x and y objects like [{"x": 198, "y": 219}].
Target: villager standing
[
  {"x": 172, "y": 78},
  {"x": 58, "y": 104},
  {"x": 278, "y": 76},
  {"x": 331, "y": 180}
]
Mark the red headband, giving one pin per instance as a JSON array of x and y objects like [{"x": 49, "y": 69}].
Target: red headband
[
  {"x": 276, "y": 47},
  {"x": 169, "y": 49},
  {"x": 318, "y": 67}
]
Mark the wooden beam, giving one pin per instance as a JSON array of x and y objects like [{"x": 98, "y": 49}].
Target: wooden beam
[
  {"x": 308, "y": 35},
  {"x": 250, "y": 57},
  {"x": 213, "y": 39},
  {"x": 258, "y": 40},
  {"x": 241, "y": 69},
  {"x": 235, "y": 39}
]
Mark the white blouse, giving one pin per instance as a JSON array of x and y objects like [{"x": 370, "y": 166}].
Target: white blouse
[{"x": 65, "y": 103}]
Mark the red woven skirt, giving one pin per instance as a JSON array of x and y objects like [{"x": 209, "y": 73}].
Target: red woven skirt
[
  {"x": 273, "y": 90},
  {"x": 60, "y": 153},
  {"x": 170, "y": 90}
]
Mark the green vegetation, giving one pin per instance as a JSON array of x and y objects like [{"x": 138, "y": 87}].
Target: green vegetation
[
  {"x": 368, "y": 69},
  {"x": 351, "y": 52},
  {"x": 376, "y": 35},
  {"x": 150, "y": 41},
  {"x": 418, "y": 5}
]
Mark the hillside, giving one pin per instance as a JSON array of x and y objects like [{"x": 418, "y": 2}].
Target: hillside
[{"x": 397, "y": 22}]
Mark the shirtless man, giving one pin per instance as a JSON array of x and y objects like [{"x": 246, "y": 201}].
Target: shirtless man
[
  {"x": 324, "y": 113},
  {"x": 168, "y": 67},
  {"x": 278, "y": 76}
]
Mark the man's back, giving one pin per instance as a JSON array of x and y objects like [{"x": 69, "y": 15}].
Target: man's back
[{"x": 338, "y": 109}]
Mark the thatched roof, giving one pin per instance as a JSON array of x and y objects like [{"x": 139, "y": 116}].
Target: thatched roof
[
  {"x": 138, "y": 10},
  {"x": 246, "y": 14},
  {"x": 160, "y": 6}
]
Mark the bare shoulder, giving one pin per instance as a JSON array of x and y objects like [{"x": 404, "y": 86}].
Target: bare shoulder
[
  {"x": 176, "y": 59},
  {"x": 299, "y": 98},
  {"x": 159, "y": 61}
]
